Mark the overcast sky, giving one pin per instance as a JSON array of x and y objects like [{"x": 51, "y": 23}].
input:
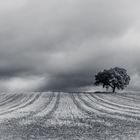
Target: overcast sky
[{"x": 62, "y": 44}]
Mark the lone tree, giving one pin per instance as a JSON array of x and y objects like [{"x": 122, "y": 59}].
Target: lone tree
[{"x": 114, "y": 78}]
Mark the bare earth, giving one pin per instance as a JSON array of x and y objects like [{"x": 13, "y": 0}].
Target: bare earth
[{"x": 69, "y": 116}]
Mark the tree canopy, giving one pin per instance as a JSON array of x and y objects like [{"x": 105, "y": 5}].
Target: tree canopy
[{"x": 114, "y": 78}]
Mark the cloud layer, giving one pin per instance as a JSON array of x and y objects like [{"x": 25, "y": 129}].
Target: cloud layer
[{"x": 60, "y": 45}]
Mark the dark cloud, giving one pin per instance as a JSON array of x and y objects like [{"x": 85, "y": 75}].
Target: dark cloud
[
  {"x": 60, "y": 45},
  {"x": 69, "y": 82}
]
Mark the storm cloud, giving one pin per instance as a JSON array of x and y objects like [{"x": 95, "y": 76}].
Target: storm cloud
[{"x": 61, "y": 45}]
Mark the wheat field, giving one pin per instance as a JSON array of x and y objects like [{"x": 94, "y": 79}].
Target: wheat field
[{"x": 69, "y": 116}]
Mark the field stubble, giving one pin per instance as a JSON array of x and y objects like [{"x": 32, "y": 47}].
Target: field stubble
[{"x": 69, "y": 116}]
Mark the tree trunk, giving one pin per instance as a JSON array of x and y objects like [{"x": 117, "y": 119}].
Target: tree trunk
[{"x": 114, "y": 89}]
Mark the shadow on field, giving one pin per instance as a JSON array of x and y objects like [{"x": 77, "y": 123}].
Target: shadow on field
[{"x": 96, "y": 92}]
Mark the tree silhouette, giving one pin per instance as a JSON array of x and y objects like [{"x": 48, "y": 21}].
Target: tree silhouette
[{"x": 114, "y": 78}]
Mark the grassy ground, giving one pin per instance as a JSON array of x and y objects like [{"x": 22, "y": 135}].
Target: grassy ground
[{"x": 70, "y": 116}]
